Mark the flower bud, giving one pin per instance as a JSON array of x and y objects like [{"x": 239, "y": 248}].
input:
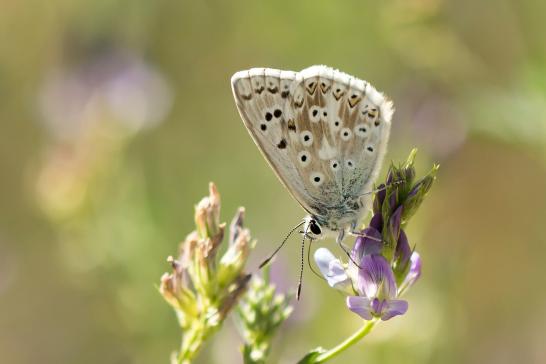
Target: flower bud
[
  {"x": 260, "y": 314},
  {"x": 409, "y": 169},
  {"x": 368, "y": 243},
  {"x": 202, "y": 288},
  {"x": 393, "y": 228},
  {"x": 235, "y": 257},
  {"x": 235, "y": 291},
  {"x": 174, "y": 288},
  {"x": 402, "y": 258},
  {"x": 379, "y": 198},
  {"x": 207, "y": 218},
  {"x": 417, "y": 194},
  {"x": 376, "y": 222}
]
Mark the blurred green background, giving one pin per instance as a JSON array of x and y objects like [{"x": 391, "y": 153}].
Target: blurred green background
[{"x": 116, "y": 114}]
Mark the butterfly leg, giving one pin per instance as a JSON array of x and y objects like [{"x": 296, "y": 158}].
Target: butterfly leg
[
  {"x": 362, "y": 235},
  {"x": 354, "y": 232},
  {"x": 346, "y": 249}
]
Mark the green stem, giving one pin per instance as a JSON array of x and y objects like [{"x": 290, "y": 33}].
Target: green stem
[
  {"x": 192, "y": 342},
  {"x": 193, "y": 339},
  {"x": 351, "y": 340}
]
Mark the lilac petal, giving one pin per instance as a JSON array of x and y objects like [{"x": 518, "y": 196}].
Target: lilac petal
[
  {"x": 337, "y": 277},
  {"x": 395, "y": 221},
  {"x": 392, "y": 200},
  {"x": 390, "y": 176},
  {"x": 394, "y": 308},
  {"x": 409, "y": 173},
  {"x": 368, "y": 244},
  {"x": 323, "y": 257},
  {"x": 361, "y": 306},
  {"x": 414, "y": 190},
  {"x": 379, "y": 198},
  {"x": 415, "y": 270},
  {"x": 376, "y": 222},
  {"x": 377, "y": 305},
  {"x": 375, "y": 278},
  {"x": 332, "y": 269},
  {"x": 403, "y": 253}
]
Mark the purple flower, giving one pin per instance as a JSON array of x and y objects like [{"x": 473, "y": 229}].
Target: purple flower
[
  {"x": 372, "y": 288},
  {"x": 382, "y": 264},
  {"x": 376, "y": 290},
  {"x": 402, "y": 256},
  {"x": 413, "y": 274},
  {"x": 333, "y": 270},
  {"x": 376, "y": 222},
  {"x": 368, "y": 243},
  {"x": 379, "y": 198}
]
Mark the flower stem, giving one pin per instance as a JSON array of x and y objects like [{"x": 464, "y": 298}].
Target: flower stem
[{"x": 351, "y": 340}]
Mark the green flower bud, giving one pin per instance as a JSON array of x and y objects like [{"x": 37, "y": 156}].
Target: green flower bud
[
  {"x": 260, "y": 314},
  {"x": 417, "y": 194}
]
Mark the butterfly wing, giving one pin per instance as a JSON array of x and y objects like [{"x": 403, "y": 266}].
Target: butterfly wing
[
  {"x": 329, "y": 140},
  {"x": 262, "y": 96}
]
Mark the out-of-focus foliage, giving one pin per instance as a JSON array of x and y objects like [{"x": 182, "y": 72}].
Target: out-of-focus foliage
[{"x": 114, "y": 116}]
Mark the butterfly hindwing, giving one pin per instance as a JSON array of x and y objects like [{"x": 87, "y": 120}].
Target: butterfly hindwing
[{"x": 323, "y": 132}]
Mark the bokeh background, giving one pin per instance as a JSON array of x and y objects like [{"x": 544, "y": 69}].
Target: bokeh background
[{"x": 116, "y": 114}]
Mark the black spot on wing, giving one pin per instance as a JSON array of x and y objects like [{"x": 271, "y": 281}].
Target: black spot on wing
[{"x": 282, "y": 144}]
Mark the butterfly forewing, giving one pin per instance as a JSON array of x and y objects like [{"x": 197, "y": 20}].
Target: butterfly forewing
[
  {"x": 323, "y": 132},
  {"x": 263, "y": 111}
]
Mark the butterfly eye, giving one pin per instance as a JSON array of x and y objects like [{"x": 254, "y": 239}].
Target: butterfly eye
[
  {"x": 315, "y": 228},
  {"x": 370, "y": 149}
]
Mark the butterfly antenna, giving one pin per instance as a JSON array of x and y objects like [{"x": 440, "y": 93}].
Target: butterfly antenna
[
  {"x": 382, "y": 188},
  {"x": 264, "y": 263},
  {"x": 298, "y": 295}
]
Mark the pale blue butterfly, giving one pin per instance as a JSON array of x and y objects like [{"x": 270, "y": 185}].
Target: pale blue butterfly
[{"x": 324, "y": 133}]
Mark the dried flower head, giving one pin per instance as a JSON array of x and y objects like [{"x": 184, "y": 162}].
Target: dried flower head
[{"x": 202, "y": 287}]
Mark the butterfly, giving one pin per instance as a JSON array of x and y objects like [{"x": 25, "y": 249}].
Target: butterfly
[{"x": 324, "y": 133}]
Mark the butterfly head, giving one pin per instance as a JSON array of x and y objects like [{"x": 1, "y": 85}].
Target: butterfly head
[{"x": 315, "y": 230}]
